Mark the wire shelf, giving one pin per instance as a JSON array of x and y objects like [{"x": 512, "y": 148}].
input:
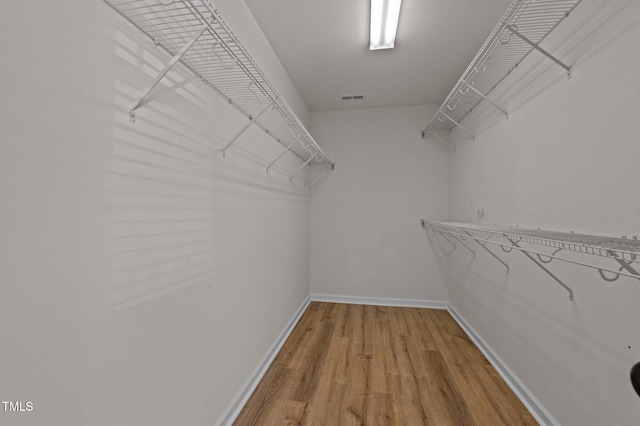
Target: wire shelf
[
  {"x": 520, "y": 30},
  {"x": 195, "y": 33},
  {"x": 624, "y": 251},
  {"x": 590, "y": 244}
]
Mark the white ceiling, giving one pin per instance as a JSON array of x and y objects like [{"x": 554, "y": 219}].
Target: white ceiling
[{"x": 324, "y": 46}]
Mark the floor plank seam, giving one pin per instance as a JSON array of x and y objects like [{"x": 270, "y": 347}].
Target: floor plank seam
[{"x": 334, "y": 380}]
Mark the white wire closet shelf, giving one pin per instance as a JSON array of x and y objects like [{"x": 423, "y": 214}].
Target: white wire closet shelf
[
  {"x": 523, "y": 26},
  {"x": 196, "y": 35},
  {"x": 542, "y": 247}
]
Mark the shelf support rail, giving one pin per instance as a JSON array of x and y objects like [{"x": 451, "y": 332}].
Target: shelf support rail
[
  {"x": 302, "y": 166},
  {"x": 428, "y": 227},
  {"x": 625, "y": 265},
  {"x": 458, "y": 124},
  {"x": 465, "y": 246},
  {"x": 477, "y": 240},
  {"x": 534, "y": 260},
  {"x": 276, "y": 101},
  {"x": 245, "y": 127},
  {"x": 287, "y": 149},
  {"x": 443, "y": 143},
  {"x": 630, "y": 271},
  {"x": 483, "y": 96},
  {"x": 165, "y": 70},
  {"x": 444, "y": 235},
  {"x": 312, "y": 180},
  {"x": 539, "y": 49}
]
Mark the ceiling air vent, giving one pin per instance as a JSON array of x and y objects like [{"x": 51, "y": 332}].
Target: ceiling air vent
[{"x": 351, "y": 97}]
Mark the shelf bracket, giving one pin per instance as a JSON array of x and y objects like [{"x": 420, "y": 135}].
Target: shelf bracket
[
  {"x": 165, "y": 70},
  {"x": 443, "y": 143},
  {"x": 284, "y": 152},
  {"x": 302, "y": 167},
  {"x": 444, "y": 235},
  {"x": 489, "y": 251},
  {"x": 315, "y": 178},
  {"x": 626, "y": 265},
  {"x": 465, "y": 246},
  {"x": 244, "y": 129},
  {"x": 483, "y": 96},
  {"x": 534, "y": 260},
  {"x": 550, "y": 257},
  {"x": 459, "y": 125},
  {"x": 539, "y": 49}
]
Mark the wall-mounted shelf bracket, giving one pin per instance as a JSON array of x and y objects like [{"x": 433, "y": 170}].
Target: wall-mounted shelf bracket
[
  {"x": 165, "y": 70},
  {"x": 315, "y": 177},
  {"x": 287, "y": 149},
  {"x": 523, "y": 26},
  {"x": 301, "y": 167},
  {"x": 488, "y": 251},
  {"x": 465, "y": 246},
  {"x": 458, "y": 125},
  {"x": 483, "y": 96},
  {"x": 194, "y": 34},
  {"x": 534, "y": 260},
  {"x": 446, "y": 238},
  {"x": 515, "y": 32},
  {"x": 626, "y": 252},
  {"x": 625, "y": 265},
  {"x": 244, "y": 129},
  {"x": 548, "y": 258},
  {"x": 443, "y": 143}
]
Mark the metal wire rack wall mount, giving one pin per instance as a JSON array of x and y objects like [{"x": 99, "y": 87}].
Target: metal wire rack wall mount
[
  {"x": 533, "y": 243},
  {"x": 194, "y": 33},
  {"x": 524, "y": 25}
]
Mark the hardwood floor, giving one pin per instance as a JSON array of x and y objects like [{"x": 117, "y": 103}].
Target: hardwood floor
[{"x": 374, "y": 365}]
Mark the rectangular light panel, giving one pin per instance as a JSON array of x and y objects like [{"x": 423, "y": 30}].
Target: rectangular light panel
[{"x": 384, "y": 23}]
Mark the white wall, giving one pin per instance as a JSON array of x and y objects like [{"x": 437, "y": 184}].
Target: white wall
[
  {"x": 567, "y": 159},
  {"x": 142, "y": 277},
  {"x": 365, "y": 234},
  {"x": 244, "y": 25}
]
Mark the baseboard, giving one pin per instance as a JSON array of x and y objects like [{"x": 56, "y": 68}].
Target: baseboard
[
  {"x": 522, "y": 392},
  {"x": 534, "y": 406},
  {"x": 379, "y": 301},
  {"x": 241, "y": 398}
]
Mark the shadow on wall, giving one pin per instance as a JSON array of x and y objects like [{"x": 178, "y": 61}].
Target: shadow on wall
[
  {"x": 442, "y": 250},
  {"x": 571, "y": 329},
  {"x": 167, "y": 176},
  {"x": 537, "y": 75},
  {"x": 163, "y": 208}
]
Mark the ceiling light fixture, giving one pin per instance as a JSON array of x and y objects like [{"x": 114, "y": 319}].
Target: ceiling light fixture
[{"x": 384, "y": 23}]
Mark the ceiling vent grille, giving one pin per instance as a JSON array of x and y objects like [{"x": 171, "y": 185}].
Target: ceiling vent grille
[{"x": 351, "y": 97}]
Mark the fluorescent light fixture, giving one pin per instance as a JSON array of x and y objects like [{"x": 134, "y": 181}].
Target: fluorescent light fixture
[{"x": 384, "y": 23}]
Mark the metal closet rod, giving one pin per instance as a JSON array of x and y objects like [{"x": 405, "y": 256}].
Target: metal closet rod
[{"x": 467, "y": 232}]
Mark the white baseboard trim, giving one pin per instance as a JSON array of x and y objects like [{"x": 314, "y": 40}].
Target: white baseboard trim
[
  {"x": 534, "y": 406},
  {"x": 379, "y": 301},
  {"x": 241, "y": 398}
]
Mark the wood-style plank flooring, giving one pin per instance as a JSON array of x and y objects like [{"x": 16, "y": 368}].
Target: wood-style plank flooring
[{"x": 374, "y": 365}]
